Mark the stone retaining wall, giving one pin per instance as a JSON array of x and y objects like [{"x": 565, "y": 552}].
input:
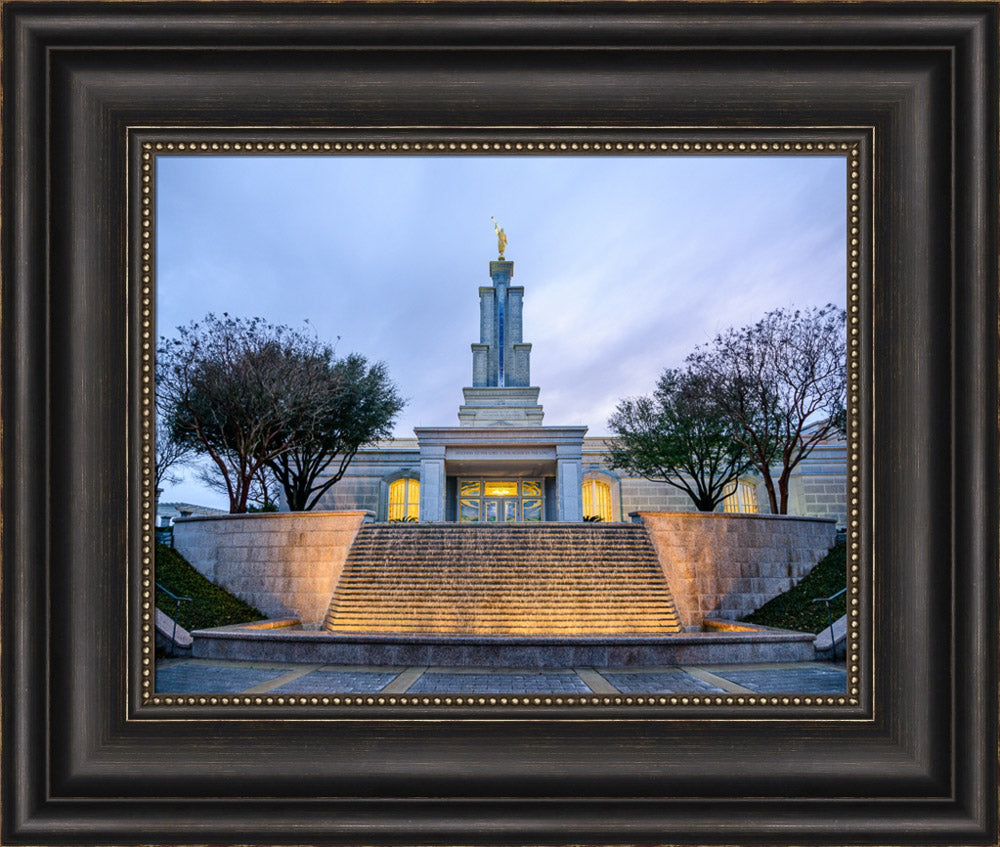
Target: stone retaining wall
[
  {"x": 287, "y": 644},
  {"x": 723, "y": 565},
  {"x": 728, "y": 565},
  {"x": 284, "y": 563}
]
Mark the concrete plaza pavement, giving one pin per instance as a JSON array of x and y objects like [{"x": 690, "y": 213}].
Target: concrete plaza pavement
[{"x": 212, "y": 676}]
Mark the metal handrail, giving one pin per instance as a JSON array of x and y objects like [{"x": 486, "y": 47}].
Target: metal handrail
[
  {"x": 177, "y": 610},
  {"x": 829, "y": 616}
]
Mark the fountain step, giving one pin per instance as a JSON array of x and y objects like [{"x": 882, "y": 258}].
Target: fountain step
[
  {"x": 387, "y": 615},
  {"x": 546, "y": 579},
  {"x": 445, "y": 629},
  {"x": 507, "y": 597},
  {"x": 468, "y": 626}
]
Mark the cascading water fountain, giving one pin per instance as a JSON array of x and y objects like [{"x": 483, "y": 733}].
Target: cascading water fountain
[{"x": 550, "y": 579}]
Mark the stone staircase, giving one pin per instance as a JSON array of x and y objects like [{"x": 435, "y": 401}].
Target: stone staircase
[{"x": 521, "y": 580}]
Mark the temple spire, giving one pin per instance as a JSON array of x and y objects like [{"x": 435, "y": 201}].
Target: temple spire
[{"x": 501, "y": 361}]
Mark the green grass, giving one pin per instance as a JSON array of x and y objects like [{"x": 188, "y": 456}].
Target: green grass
[
  {"x": 210, "y": 606},
  {"x": 794, "y": 609}
]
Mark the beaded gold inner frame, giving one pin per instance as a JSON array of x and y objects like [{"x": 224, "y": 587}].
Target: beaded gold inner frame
[
  {"x": 87, "y": 759},
  {"x": 856, "y": 145}
]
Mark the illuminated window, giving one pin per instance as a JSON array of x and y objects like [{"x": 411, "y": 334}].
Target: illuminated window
[
  {"x": 404, "y": 500},
  {"x": 596, "y": 500},
  {"x": 500, "y": 500},
  {"x": 531, "y": 510},
  {"x": 743, "y": 499},
  {"x": 468, "y": 510}
]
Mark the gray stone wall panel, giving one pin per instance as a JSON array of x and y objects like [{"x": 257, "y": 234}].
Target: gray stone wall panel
[
  {"x": 730, "y": 565},
  {"x": 286, "y": 564}
]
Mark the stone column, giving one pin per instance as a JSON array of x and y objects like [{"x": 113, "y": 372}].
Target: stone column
[
  {"x": 569, "y": 478},
  {"x": 485, "y": 314},
  {"x": 514, "y": 334},
  {"x": 487, "y": 334},
  {"x": 432, "y": 484},
  {"x": 500, "y": 273},
  {"x": 480, "y": 365},
  {"x": 515, "y": 319},
  {"x": 522, "y": 365}
]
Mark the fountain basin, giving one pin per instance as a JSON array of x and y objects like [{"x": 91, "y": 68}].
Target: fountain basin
[{"x": 287, "y": 641}]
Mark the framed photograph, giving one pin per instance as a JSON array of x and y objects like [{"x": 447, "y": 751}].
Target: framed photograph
[
  {"x": 108, "y": 108},
  {"x": 487, "y": 540}
]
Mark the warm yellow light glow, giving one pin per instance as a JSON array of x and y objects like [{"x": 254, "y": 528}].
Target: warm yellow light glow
[
  {"x": 743, "y": 499},
  {"x": 404, "y": 500},
  {"x": 500, "y": 500},
  {"x": 597, "y": 499}
]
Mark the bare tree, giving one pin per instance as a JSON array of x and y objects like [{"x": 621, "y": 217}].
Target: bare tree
[
  {"x": 239, "y": 390},
  {"x": 169, "y": 456},
  {"x": 783, "y": 383},
  {"x": 679, "y": 436}
]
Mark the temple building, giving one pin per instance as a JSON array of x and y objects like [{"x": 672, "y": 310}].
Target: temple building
[{"x": 502, "y": 464}]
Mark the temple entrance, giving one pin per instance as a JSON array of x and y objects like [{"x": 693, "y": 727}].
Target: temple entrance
[
  {"x": 500, "y": 501},
  {"x": 500, "y": 509}
]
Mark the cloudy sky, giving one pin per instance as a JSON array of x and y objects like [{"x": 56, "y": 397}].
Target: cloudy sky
[{"x": 627, "y": 262}]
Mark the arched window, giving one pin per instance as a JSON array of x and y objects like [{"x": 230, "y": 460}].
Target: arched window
[
  {"x": 403, "y": 502},
  {"x": 596, "y": 500},
  {"x": 743, "y": 499}
]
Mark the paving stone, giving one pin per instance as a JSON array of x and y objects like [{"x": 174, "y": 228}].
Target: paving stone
[
  {"x": 185, "y": 678},
  {"x": 670, "y": 682},
  {"x": 191, "y": 676},
  {"x": 338, "y": 682},
  {"x": 809, "y": 680},
  {"x": 506, "y": 683}
]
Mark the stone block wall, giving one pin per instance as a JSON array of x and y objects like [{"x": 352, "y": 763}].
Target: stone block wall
[
  {"x": 728, "y": 565},
  {"x": 642, "y": 495},
  {"x": 822, "y": 495},
  {"x": 818, "y": 486},
  {"x": 364, "y": 484},
  {"x": 356, "y": 491},
  {"x": 284, "y": 563}
]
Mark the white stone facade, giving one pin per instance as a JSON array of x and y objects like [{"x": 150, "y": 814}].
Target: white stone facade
[
  {"x": 818, "y": 486},
  {"x": 501, "y": 436}
]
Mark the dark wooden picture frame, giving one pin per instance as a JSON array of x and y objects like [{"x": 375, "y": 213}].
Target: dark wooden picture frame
[{"x": 85, "y": 762}]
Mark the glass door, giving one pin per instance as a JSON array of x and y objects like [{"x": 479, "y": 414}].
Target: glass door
[
  {"x": 500, "y": 509},
  {"x": 499, "y": 501}
]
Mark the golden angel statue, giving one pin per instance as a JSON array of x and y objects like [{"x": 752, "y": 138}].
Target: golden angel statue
[{"x": 501, "y": 236}]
